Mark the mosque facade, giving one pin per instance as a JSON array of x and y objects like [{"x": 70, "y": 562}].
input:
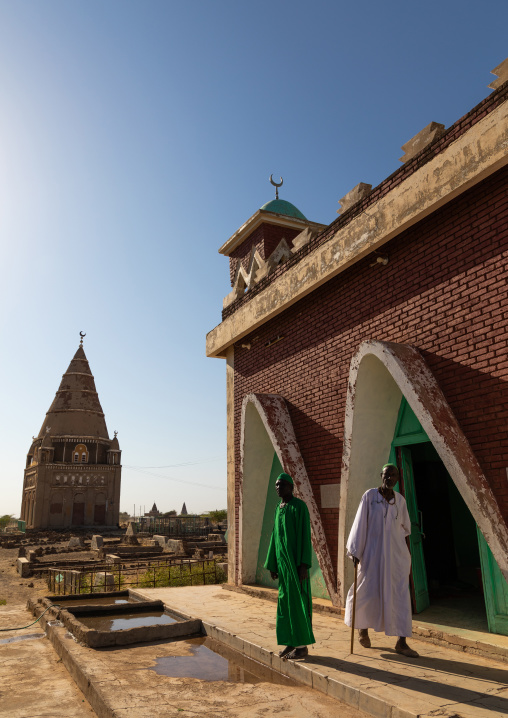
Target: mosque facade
[
  {"x": 73, "y": 469},
  {"x": 380, "y": 337}
]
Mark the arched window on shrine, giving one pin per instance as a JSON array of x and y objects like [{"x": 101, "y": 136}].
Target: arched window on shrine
[{"x": 80, "y": 454}]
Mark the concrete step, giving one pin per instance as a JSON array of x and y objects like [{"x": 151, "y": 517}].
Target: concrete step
[{"x": 480, "y": 643}]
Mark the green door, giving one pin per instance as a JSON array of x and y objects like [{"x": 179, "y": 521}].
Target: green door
[
  {"x": 495, "y": 589},
  {"x": 419, "y": 587}
]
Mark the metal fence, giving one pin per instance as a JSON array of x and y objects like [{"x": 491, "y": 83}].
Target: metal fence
[
  {"x": 13, "y": 526},
  {"x": 175, "y": 526},
  {"x": 118, "y": 577},
  {"x": 90, "y": 566}
]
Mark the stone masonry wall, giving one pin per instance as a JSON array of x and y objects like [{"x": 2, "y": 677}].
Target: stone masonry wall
[{"x": 443, "y": 292}]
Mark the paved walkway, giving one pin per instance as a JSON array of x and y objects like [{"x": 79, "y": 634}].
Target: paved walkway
[
  {"x": 34, "y": 683},
  {"x": 442, "y": 682}
]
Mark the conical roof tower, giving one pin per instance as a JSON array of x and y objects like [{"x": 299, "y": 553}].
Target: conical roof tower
[
  {"x": 73, "y": 469},
  {"x": 76, "y": 409}
]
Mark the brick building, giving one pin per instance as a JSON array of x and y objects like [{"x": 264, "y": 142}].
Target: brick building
[
  {"x": 73, "y": 469},
  {"x": 381, "y": 336}
]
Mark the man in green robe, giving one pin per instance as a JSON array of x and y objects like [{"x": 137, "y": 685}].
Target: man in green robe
[{"x": 289, "y": 559}]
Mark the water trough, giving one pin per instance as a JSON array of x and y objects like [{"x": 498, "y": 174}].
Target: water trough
[{"x": 114, "y": 624}]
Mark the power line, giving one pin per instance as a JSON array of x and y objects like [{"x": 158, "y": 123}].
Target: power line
[
  {"x": 172, "y": 466},
  {"x": 172, "y": 478}
]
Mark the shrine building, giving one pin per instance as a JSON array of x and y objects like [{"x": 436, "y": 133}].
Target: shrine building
[
  {"x": 73, "y": 468},
  {"x": 380, "y": 337}
]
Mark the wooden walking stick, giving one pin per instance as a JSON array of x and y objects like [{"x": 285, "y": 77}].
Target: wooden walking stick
[{"x": 354, "y": 607}]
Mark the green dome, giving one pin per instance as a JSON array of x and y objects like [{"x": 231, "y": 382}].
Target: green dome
[{"x": 282, "y": 207}]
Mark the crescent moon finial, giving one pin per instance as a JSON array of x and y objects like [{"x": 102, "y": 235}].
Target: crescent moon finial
[
  {"x": 276, "y": 185},
  {"x": 81, "y": 334}
]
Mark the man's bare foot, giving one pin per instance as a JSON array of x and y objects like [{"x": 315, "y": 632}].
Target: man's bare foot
[
  {"x": 285, "y": 651},
  {"x": 404, "y": 650},
  {"x": 363, "y": 637},
  {"x": 297, "y": 653}
]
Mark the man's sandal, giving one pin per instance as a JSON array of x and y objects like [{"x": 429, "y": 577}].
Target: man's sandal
[
  {"x": 407, "y": 652},
  {"x": 285, "y": 651},
  {"x": 364, "y": 640},
  {"x": 298, "y": 653}
]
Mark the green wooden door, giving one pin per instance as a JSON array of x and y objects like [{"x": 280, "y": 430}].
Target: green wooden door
[
  {"x": 495, "y": 589},
  {"x": 419, "y": 587}
]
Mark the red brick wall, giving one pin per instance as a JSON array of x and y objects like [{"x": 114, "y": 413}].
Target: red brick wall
[
  {"x": 444, "y": 291},
  {"x": 265, "y": 238}
]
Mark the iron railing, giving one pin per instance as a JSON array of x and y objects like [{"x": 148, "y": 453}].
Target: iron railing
[
  {"x": 175, "y": 526},
  {"x": 118, "y": 577}
]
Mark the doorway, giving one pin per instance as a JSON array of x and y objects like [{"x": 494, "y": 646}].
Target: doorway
[
  {"x": 449, "y": 544},
  {"x": 78, "y": 510},
  {"x": 455, "y": 580}
]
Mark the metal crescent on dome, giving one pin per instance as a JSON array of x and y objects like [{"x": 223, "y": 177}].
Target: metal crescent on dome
[
  {"x": 276, "y": 185},
  {"x": 82, "y": 335}
]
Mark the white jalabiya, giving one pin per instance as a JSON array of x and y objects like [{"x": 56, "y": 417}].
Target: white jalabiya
[{"x": 378, "y": 539}]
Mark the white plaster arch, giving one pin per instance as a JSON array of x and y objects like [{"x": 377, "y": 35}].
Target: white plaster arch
[
  {"x": 380, "y": 373},
  {"x": 267, "y": 427}
]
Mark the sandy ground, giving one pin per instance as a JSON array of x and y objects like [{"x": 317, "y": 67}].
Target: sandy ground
[
  {"x": 13, "y": 588},
  {"x": 34, "y": 683}
]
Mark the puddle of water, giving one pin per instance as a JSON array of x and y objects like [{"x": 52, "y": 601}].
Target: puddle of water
[
  {"x": 27, "y": 637},
  {"x": 94, "y": 602},
  {"x": 110, "y": 622},
  {"x": 212, "y": 661}
]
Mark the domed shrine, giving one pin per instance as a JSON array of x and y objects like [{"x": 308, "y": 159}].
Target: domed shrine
[
  {"x": 267, "y": 239},
  {"x": 73, "y": 470}
]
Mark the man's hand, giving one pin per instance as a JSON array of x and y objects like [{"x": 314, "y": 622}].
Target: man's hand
[
  {"x": 303, "y": 572},
  {"x": 274, "y": 575}
]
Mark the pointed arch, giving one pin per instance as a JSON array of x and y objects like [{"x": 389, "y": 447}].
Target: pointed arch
[
  {"x": 267, "y": 427},
  {"x": 380, "y": 374}
]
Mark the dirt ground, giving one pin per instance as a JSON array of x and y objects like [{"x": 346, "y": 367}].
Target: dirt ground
[
  {"x": 34, "y": 682},
  {"x": 13, "y": 588}
]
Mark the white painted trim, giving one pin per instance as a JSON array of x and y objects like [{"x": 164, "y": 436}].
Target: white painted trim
[{"x": 413, "y": 379}]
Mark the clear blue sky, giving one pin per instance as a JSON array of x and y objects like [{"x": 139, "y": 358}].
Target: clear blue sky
[{"x": 136, "y": 137}]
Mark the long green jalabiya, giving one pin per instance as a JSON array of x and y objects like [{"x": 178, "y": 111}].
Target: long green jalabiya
[{"x": 290, "y": 547}]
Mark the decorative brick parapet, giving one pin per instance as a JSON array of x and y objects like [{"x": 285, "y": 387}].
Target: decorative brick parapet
[
  {"x": 484, "y": 108},
  {"x": 421, "y": 140},
  {"x": 358, "y": 193},
  {"x": 501, "y": 71}
]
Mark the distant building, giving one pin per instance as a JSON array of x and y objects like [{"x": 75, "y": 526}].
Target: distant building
[
  {"x": 72, "y": 475},
  {"x": 154, "y": 511},
  {"x": 184, "y": 511}
]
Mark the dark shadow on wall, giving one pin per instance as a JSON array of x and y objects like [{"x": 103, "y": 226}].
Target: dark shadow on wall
[{"x": 322, "y": 455}]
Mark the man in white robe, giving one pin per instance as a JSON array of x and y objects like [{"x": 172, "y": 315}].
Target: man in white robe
[{"x": 377, "y": 543}]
